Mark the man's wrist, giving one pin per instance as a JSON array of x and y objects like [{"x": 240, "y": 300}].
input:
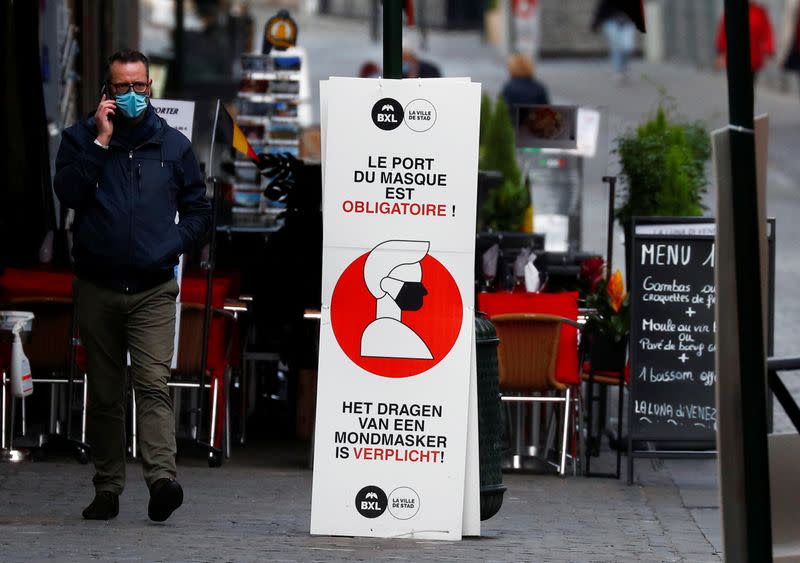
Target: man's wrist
[{"x": 102, "y": 141}]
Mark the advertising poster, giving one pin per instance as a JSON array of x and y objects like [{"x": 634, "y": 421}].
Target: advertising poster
[{"x": 396, "y": 340}]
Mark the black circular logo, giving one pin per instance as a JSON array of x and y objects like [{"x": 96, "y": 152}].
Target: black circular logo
[
  {"x": 371, "y": 501},
  {"x": 387, "y": 114}
]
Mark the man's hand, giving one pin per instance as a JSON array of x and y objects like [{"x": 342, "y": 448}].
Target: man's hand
[{"x": 105, "y": 111}]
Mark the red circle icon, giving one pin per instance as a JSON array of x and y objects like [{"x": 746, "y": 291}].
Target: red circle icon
[{"x": 419, "y": 331}]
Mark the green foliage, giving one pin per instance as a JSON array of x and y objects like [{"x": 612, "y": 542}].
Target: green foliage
[
  {"x": 506, "y": 204},
  {"x": 500, "y": 152},
  {"x": 486, "y": 118},
  {"x": 505, "y": 207},
  {"x": 663, "y": 168}
]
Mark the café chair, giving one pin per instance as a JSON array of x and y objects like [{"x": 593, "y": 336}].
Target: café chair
[
  {"x": 605, "y": 377},
  {"x": 52, "y": 349},
  {"x": 527, "y": 353}
]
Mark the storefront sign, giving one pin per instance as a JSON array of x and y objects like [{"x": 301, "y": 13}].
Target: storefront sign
[
  {"x": 400, "y": 181},
  {"x": 177, "y": 113}
]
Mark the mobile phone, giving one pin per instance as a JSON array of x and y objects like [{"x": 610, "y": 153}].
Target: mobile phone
[{"x": 104, "y": 92}]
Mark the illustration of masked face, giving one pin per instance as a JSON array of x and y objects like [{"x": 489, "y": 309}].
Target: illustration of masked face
[
  {"x": 393, "y": 275},
  {"x": 410, "y": 296}
]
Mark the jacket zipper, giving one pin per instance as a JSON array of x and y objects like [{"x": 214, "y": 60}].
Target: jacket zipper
[
  {"x": 135, "y": 192},
  {"x": 133, "y": 211}
]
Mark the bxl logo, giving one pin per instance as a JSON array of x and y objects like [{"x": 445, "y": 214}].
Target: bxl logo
[
  {"x": 371, "y": 501},
  {"x": 387, "y": 114}
]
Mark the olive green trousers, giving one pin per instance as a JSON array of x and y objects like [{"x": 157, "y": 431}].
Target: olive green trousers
[{"x": 112, "y": 324}]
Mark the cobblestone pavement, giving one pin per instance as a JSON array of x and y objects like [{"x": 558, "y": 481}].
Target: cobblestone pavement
[{"x": 257, "y": 508}]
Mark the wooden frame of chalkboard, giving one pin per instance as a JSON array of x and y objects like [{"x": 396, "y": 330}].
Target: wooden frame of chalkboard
[{"x": 672, "y": 406}]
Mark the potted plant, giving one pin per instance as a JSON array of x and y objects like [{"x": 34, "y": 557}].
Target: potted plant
[
  {"x": 663, "y": 170},
  {"x": 508, "y": 204},
  {"x": 608, "y": 325}
]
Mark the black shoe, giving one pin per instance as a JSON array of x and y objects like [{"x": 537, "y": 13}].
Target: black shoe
[
  {"x": 104, "y": 506},
  {"x": 166, "y": 495}
]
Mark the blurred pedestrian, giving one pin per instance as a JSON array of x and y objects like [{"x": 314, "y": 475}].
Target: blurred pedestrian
[
  {"x": 126, "y": 173},
  {"x": 522, "y": 87},
  {"x": 414, "y": 67},
  {"x": 369, "y": 69},
  {"x": 790, "y": 37},
  {"x": 762, "y": 45},
  {"x": 620, "y": 34}
]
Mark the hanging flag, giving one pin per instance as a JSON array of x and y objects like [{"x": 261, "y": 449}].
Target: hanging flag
[
  {"x": 634, "y": 9},
  {"x": 234, "y": 135}
]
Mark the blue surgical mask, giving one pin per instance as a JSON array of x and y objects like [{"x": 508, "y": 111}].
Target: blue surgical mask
[{"x": 131, "y": 104}]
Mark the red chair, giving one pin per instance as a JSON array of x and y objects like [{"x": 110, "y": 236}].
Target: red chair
[
  {"x": 527, "y": 359},
  {"x": 16, "y": 283},
  {"x": 223, "y": 352},
  {"x": 566, "y": 370},
  {"x": 605, "y": 375},
  {"x": 52, "y": 347},
  {"x": 561, "y": 304}
]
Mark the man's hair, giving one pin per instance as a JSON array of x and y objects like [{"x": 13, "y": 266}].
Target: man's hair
[
  {"x": 520, "y": 66},
  {"x": 127, "y": 56}
]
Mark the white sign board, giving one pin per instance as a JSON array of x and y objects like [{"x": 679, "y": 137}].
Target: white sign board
[
  {"x": 177, "y": 113},
  {"x": 396, "y": 342}
]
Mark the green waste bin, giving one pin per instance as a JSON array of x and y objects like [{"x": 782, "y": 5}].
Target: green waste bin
[{"x": 490, "y": 422}]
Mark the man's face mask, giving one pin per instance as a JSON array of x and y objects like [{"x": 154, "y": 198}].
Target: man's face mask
[
  {"x": 131, "y": 104},
  {"x": 410, "y": 296}
]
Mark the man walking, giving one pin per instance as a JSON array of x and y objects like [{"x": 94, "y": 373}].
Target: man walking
[{"x": 126, "y": 173}]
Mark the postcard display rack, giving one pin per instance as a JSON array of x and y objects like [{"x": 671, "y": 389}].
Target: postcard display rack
[
  {"x": 60, "y": 78},
  {"x": 267, "y": 104}
]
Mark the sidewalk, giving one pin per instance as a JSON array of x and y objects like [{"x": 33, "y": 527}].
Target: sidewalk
[{"x": 257, "y": 508}]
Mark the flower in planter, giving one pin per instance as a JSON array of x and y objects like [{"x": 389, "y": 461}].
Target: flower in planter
[
  {"x": 607, "y": 297},
  {"x": 616, "y": 291},
  {"x": 592, "y": 273}
]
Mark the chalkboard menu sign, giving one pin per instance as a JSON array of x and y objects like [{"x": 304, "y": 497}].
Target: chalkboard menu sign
[
  {"x": 672, "y": 406},
  {"x": 672, "y": 338}
]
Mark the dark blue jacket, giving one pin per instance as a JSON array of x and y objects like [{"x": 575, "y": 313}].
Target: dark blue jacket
[
  {"x": 520, "y": 91},
  {"x": 125, "y": 198}
]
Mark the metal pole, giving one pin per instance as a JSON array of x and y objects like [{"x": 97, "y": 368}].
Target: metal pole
[
  {"x": 392, "y": 39},
  {"x": 752, "y": 357},
  {"x": 374, "y": 21},
  {"x": 422, "y": 23},
  {"x": 178, "y": 44},
  {"x": 612, "y": 185},
  {"x": 510, "y": 26},
  {"x": 207, "y": 311}
]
